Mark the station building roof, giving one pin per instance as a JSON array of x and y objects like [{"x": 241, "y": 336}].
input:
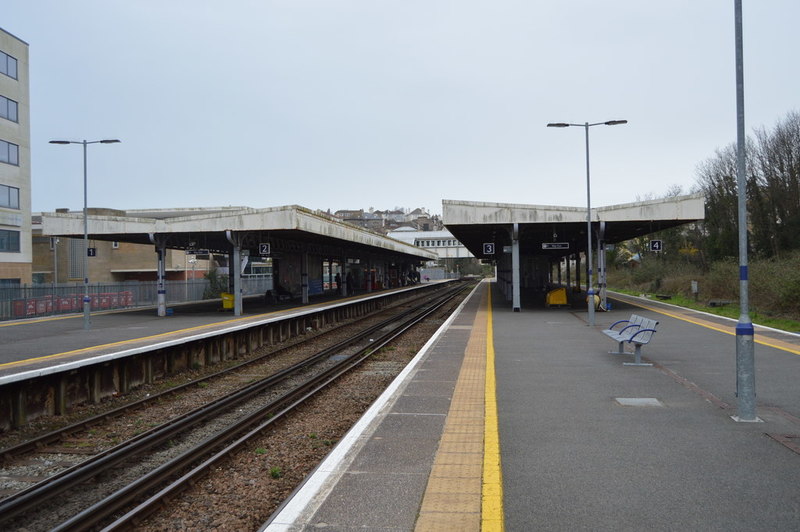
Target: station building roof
[
  {"x": 476, "y": 223},
  {"x": 288, "y": 228}
]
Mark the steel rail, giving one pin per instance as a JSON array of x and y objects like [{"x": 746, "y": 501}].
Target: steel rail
[
  {"x": 45, "y": 490},
  {"x": 34, "y": 444},
  {"x": 267, "y": 415}
]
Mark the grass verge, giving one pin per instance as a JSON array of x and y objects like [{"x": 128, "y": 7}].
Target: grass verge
[{"x": 730, "y": 311}]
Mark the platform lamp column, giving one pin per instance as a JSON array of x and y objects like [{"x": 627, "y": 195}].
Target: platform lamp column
[
  {"x": 745, "y": 332},
  {"x": 87, "y": 320},
  {"x": 590, "y": 280},
  {"x": 55, "y": 265}
]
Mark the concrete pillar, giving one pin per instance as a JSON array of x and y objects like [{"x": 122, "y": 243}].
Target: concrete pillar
[
  {"x": 330, "y": 275},
  {"x": 601, "y": 266},
  {"x": 161, "y": 274},
  {"x": 569, "y": 273},
  {"x": 235, "y": 270},
  {"x": 20, "y": 407},
  {"x": 61, "y": 397},
  {"x": 343, "y": 274},
  {"x": 515, "y": 281},
  {"x": 304, "y": 276},
  {"x": 124, "y": 376},
  {"x": 95, "y": 385}
]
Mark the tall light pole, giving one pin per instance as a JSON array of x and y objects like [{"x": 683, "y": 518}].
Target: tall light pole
[
  {"x": 87, "y": 322},
  {"x": 55, "y": 264},
  {"x": 745, "y": 359},
  {"x": 586, "y": 126}
]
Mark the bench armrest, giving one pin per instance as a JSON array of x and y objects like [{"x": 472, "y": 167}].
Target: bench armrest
[
  {"x": 631, "y": 339},
  {"x": 618, "y": 322}
]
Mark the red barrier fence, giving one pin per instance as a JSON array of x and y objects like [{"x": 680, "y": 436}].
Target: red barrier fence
[{"x": 46, "y": 305}]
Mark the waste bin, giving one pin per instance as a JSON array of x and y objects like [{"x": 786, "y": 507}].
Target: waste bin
[
  {"x": 227, "y": 301},
  {"x": 556, "y": 298}
]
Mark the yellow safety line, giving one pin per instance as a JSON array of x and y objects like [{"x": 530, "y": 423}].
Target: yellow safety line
[
  {"x": 492, "y": 498},
  {"x": 140, "y": 339},
  {"x": 40, "y": 320},
  {"x": 708, "y": 325},
  {"x": 125, "y": 342}
]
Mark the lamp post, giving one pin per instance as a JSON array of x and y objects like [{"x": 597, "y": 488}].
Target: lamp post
[
  {"x": 586, "y": 126},
  {"x": 745, "y": 333},
  {"x": 55, "y": 264},
  {"x": 87, "y": 323}
]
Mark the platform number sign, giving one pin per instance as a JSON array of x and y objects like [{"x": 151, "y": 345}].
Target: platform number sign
[
  {"x": 656, "y": 245},
  {"x": 91, "y": 252},
  {"x": 488, "y": 248},
  {"x": 263, "y": 248}
]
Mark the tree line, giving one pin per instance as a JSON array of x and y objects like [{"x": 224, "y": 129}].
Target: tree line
[{"x": 773, "y": 194}]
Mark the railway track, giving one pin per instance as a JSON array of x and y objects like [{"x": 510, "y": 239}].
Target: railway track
[{"x": 155, "y": 464}]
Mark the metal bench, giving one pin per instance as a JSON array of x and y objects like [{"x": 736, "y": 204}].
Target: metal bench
[{"x": 638, "y": 331}]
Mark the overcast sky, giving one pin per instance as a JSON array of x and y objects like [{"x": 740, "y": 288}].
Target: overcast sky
[{"x": 370, "y": 103}]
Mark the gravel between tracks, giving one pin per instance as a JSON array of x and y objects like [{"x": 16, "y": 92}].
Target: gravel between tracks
[{"x": 242, "y": 494}]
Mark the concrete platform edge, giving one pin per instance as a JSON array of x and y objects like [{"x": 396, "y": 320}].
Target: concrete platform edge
[{"x": 304, "y": 502}]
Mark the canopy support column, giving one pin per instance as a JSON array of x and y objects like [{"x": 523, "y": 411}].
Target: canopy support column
[
  {"x": 161, "y": 250},
  {"x": 515, "y": 268},
  {"x": 235, "y": 270}
]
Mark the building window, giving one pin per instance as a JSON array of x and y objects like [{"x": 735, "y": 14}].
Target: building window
[
  {"x": 9, "y": 153},
  {"x": 9, "y": 197},
  {"x": 9, "y": 109},
  {"x": 9, "y": 241},
  {"x": 8, "y": 65}
]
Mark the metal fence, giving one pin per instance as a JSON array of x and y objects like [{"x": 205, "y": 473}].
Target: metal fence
[{"x": 27, "y": 301}]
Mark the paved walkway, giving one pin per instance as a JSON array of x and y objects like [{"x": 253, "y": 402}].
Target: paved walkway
[{"x": 581, "y": 441}]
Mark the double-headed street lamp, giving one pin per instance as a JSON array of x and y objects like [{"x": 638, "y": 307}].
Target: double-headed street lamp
[
  {"x": 586, "y": 126},
  {"x": 87, "y": 323}
]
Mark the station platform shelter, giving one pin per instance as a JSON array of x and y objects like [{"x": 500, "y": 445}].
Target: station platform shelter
[
  {"x": 534, "y": 247},
  {"x": 310, "y": 252}
]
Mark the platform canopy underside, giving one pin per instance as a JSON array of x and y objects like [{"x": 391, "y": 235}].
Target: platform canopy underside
[{"x": 475, "y": 224}]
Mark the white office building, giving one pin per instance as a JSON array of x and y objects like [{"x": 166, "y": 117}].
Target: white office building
[
  {"x": 15, "y": 163},
  {"x": 443, "y": 243}
]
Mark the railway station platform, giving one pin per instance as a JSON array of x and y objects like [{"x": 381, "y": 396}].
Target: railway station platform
[
  {"x": 33, "y": 344},
  {"x": 523, "y": 421}
]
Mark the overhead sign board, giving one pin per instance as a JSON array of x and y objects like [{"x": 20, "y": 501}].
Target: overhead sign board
[{"x": 555, "y": 245}]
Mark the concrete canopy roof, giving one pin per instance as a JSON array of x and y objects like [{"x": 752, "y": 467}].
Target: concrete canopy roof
[
  {"x": 475, "y": 223},
  {"x": 287, "y": 228}
]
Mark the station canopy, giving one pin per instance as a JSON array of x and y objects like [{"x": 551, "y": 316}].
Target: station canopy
[
  {"x": 559, "y": 231},
  {"x": 287, "y": 229}
]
